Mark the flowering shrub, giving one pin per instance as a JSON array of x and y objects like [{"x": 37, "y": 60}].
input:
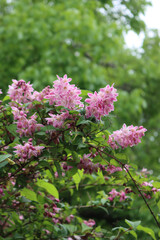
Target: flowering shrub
[{"x": 55, "y": 146}]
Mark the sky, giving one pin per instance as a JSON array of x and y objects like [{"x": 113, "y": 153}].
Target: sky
[{"x": 151, "y": 19}]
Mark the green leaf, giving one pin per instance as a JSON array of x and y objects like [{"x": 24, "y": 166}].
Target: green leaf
[
  {"x": 77, "y": 178},
  {"x": 4, "y": 157},
  {"x": 47, "y": 165},
  {"x": 85, "y": 227},
  {"x": 70, "y": 228},
  {"x": 29, "y": 194},
  {"x": 133, "y": 233},
  {"x": 80, "y": 122},
  {"x": 133, "y": 224},
  {"x": 71, "y": 172},
  {"x": 104, "y": 209},
  {"x": 58, "y": 167},
  {"x": 50, "y": 188},
  {"x": 147, "y": 230},
  {"x": 75, "y": 157},
  {"x": 3, "y": 164},
  {"x": 12, "y": 129},
  {"x": 6, "y": 98},
  {"x": 84, "y": 94},
  {"x": 122, "y": 157},
  {"x": 47, "y": 128}
]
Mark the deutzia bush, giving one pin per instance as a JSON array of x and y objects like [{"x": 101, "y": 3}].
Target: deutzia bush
[{"x": 59, "y": 162}]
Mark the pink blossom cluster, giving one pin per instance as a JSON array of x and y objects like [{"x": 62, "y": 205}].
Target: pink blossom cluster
[
  {"x": 126, "y": 136},
  {"x": 149, "y": 184},
  {"x": 112, "y": 169},
  {"x": 88, "y": 165},
  {"x": 57, "y": 120},
  {"x": 39, "y": 96},
  {"x": 90, "y": 222},
  {"x": 27, "y": 150},
  {"x": 1, "y": 191},
  {"x": 64, "y": 94},
  {"x": 1, "y": 91},
  {"x": 101, "y": 103},
  {"x": 25, "y": 126},
  {"x": 145, "y": 172},
  {"x": 114, "y": 194},
  {"x": 20, "y": 91},
  {"x": 51, "y": 211}
]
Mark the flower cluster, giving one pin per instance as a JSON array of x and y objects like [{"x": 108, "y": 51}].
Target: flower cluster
[
  {"x": 57, "y": 120},
  {"x": 114, "y": 194},
  {"x": 90, "y": 222},
  {"x": 126, "y": 136},
  {"x": 51, "y": 211},
  {"x": 112, "y": 169},
  {"x": 25, "y": 126},
  {"x": 88, "y": 165},
  {"x": 39, "y": 96},
  {"x": 64, "y": 94},
  {"x": 27, "y": 150},
  {"x": 20, "y": 91},
  {"x": 101, "y": 103}
]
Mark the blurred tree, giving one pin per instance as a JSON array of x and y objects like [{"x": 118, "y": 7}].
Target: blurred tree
[{"x": 39, "y": 39}]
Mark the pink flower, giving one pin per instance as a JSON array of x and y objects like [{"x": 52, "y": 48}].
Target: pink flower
[
  {"x": 27, "y": 150},
  {"x": 20, "y": 91},
  {"x": 1, "y": 91},
  {"x": 126, "y": 136},
  {"x": 21, "y": 217},
  {"x": 101, "y": 103},
  {"x": 114, "y": 194},
  {"x": 147, "y": 196},
  {"x": 147, "y": 184},
  {"x": 25, "y": 126},
  {"x": 154, "y": 190},
  {"x": 57, "y": 120},
  {"x": 90, "y": 222},
  {"x": 122, "y": 196},
  {"x": 88, "y": 165},
  {"x": 64, "y": 94},
  {"x": 112, "y": 169},
  {"x": 39, "y": 96}
]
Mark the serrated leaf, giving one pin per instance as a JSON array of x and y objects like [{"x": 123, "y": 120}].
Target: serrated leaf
[{"x": 50, "y": 188}]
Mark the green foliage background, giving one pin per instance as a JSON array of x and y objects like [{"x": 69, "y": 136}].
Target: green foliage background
[{"x": 85, "y": 39}]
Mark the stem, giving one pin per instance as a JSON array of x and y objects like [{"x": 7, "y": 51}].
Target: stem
[{"x": 158, "y": 224}]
